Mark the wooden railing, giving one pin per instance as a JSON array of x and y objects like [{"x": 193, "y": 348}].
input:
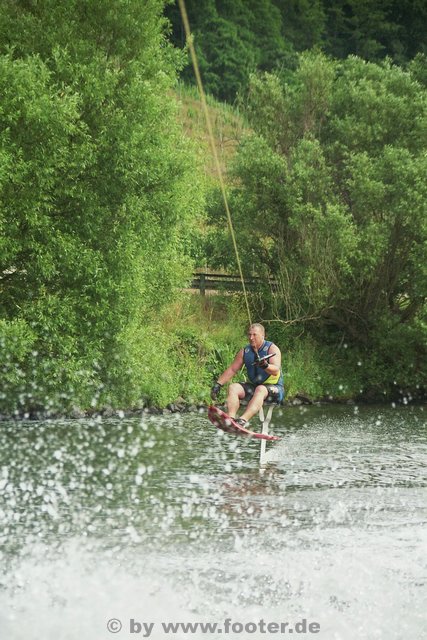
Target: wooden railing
[{"x": 227, "y": 282}]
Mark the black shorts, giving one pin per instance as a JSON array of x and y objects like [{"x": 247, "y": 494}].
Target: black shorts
[{"x": 276, "y": 393}]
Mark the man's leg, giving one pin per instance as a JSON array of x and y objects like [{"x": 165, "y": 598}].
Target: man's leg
[
  {"x": 236, "y": 393},
  {"x": 256, "y": 402}
]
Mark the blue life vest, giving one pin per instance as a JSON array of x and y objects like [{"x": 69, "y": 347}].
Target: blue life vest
[{"x": 257, "y": 375}]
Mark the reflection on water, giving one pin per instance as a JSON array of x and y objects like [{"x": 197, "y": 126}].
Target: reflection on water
[{"x": 168, "y": 519}]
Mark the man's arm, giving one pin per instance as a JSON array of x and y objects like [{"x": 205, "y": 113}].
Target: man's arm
[
  {"x": 274, "y": 363},
  {"x": 231, "y": 371},
  {"x": 234, "y": 368}
]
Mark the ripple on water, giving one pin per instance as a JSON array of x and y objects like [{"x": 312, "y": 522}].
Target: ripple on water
[{"x": 169, "y": 519}]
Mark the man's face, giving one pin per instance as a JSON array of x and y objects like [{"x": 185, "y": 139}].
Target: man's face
[{"x": 256, "y": 337}]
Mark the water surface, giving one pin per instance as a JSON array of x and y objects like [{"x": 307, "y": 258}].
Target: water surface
[{"x": 165, "y": 519}]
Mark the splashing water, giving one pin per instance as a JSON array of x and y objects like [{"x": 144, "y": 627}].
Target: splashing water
[{"x": 156, "y": 520}]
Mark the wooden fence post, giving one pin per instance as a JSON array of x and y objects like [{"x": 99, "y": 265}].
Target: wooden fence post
[{"x": 202, "y": 284}]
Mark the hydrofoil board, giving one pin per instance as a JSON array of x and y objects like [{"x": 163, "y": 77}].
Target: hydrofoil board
[{"x": 223, "y": 421}]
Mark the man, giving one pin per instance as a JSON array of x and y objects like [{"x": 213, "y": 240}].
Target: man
[{"x": 264, "y": 374}]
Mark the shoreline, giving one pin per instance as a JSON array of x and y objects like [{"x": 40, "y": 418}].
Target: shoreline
[{"x": 183, "y": 407}]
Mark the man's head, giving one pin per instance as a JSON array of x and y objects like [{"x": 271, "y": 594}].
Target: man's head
[{"x": 256, "y": 335}]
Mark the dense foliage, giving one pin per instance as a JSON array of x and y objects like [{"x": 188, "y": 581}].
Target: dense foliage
[
  {"x": 331, "y": 200},
  {"x": 235, "y": 37},
  {"x": 97, "y": 193},
  {"x": 102, "y": 200}
]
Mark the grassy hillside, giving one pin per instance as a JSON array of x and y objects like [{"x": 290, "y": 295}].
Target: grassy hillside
[{"x": 228, "y": 126}]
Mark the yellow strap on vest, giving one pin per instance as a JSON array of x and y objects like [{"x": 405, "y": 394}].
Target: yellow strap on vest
[{"x": 272, "y": 379}]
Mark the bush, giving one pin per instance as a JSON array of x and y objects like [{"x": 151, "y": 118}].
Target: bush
[{"x": 98, "y": 191}]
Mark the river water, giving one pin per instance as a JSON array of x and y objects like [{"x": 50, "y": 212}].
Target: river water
[{"x": 144, "y": 521}]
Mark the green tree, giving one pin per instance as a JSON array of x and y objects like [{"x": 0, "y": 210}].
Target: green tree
[
  {"x": 361, "y": 27},
  {"x": 97, "y": 189},
  {"x": 303, "y": 22},
  {"x": 267, "y": 33},
  {"x": 377, "y": 139},
  {"x": 225, "y": 58},
  {"x": 330, "y": 199},
  {"x": 232, "y": 39}
]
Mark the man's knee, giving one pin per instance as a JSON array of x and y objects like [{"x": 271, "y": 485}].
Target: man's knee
[
  {"x": 235, "y": 389},
  {"x": 260, "y": 392}
]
